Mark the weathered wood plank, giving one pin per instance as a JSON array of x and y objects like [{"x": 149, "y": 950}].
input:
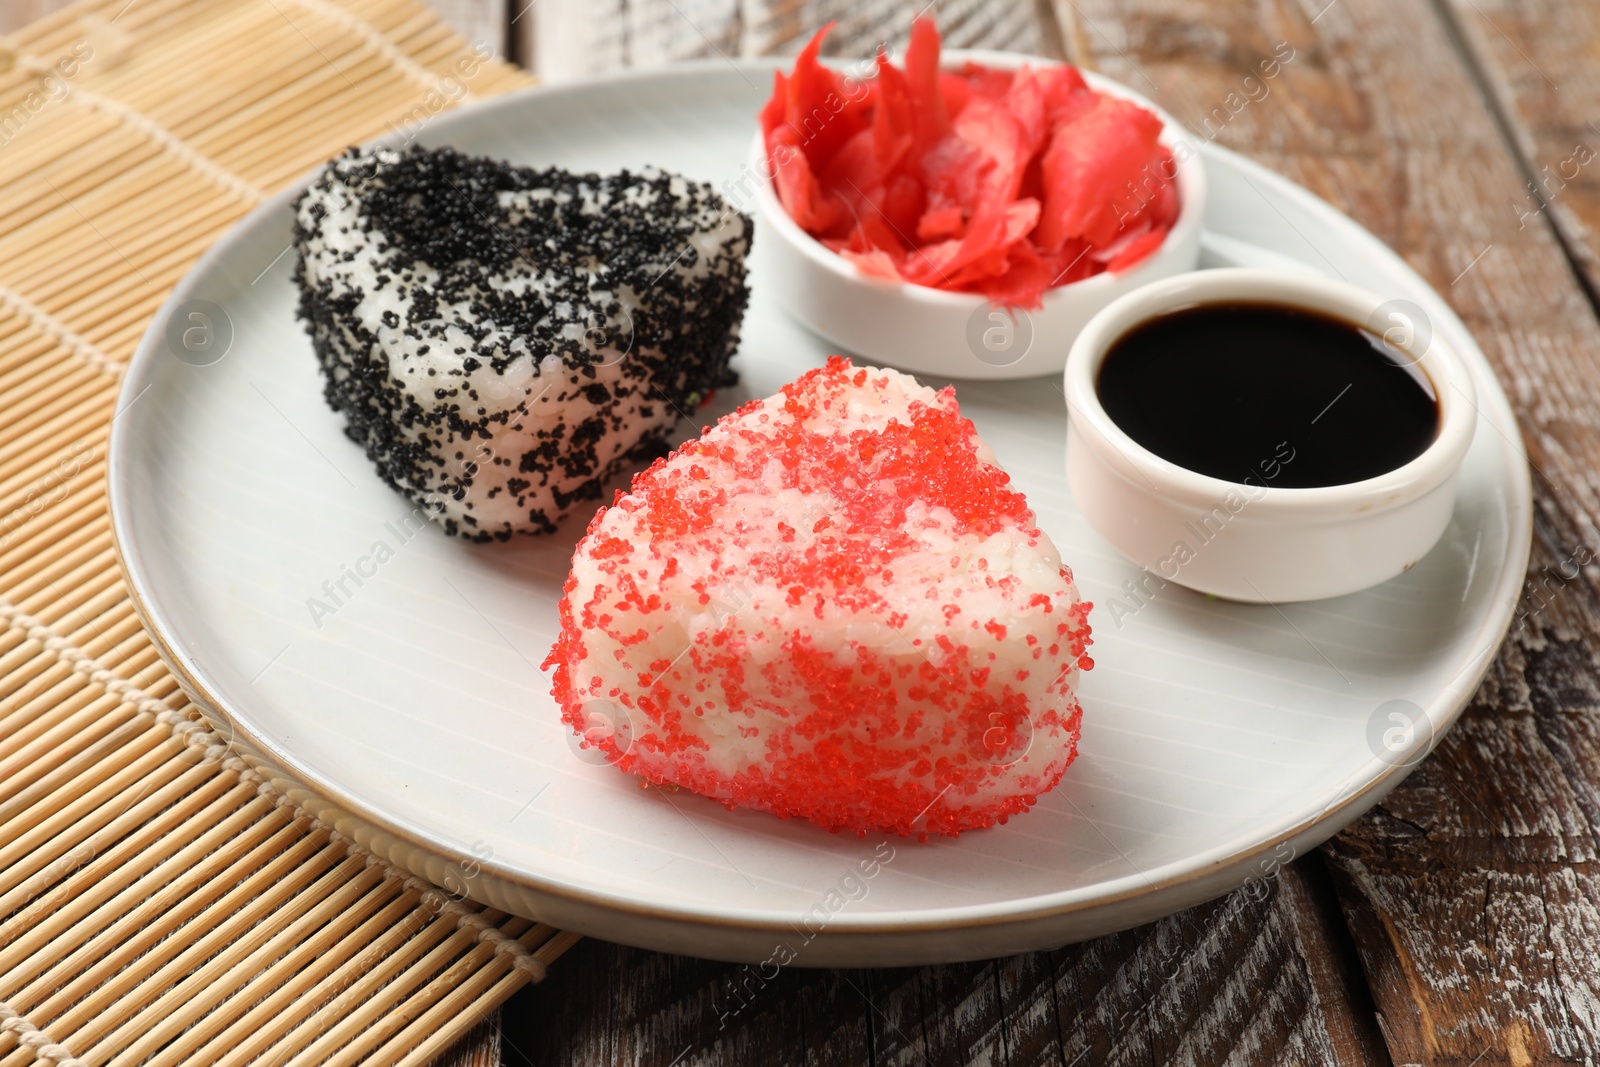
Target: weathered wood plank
[
  {"x": 1537, "y": 60},
  {"x": 476, "y": 20},
  {"x": 782, "y": 26},
  {"x": 563, "y": 39},
  {"x": 1252, "y": 978},
  {"x": 1471, "y": 893},
  {"x": 479, "y": 1047}
]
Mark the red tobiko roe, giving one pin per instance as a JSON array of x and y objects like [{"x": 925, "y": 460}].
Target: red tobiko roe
[{"x": 999, "y": 182}]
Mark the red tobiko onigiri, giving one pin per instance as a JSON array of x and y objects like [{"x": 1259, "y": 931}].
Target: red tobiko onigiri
[
  {"x": 833, "y": 606},
  {"x": 999, "y": 182}
]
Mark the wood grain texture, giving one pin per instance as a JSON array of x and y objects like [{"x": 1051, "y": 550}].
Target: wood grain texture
[
  {"x": 479, "y": 1047},
  {"x": 1537, "y": 60},
  {"x": 784, "y": 26},
  {"x": 1253, "y": 978},
  {"x": 476, "y": 20},
  {"x": 565, "y": 39},
  {"x": 1471, "y": 892}
]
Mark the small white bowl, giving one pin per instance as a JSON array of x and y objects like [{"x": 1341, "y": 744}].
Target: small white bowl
[
  {"x": 1264, "y": 543},
  {"x": 960, "y": 335}
]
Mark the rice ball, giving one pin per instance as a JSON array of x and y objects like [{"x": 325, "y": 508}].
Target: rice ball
[{"x": 831, "y": 606}]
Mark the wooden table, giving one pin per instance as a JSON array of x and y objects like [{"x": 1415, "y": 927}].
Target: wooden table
[{"x": 1457, "y": 923}]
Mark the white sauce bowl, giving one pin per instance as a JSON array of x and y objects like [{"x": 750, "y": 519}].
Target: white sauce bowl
[
  {"x": 960, "y": 335},
  {"x": 1263, "y": 543}
]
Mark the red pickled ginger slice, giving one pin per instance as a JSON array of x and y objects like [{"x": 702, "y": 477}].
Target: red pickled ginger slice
[
  {"x": 1092, "y": 166},
  {"x": 1000, "y": 182}
]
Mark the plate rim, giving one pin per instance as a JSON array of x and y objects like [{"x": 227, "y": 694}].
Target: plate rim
[{"x": 262, "y": 752}]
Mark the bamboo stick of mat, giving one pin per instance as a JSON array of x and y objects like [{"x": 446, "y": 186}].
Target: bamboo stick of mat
[{"x": 159, "y": 902}]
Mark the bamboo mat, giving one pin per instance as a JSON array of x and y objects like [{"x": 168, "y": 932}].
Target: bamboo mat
[{"x": 158, "y": 902}]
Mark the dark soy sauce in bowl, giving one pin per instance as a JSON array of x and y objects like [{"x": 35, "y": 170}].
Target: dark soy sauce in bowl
[{"x": 1228, "y": 390}]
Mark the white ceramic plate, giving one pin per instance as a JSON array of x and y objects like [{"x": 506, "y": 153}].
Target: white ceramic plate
[{"x": 1219, "y": 739}]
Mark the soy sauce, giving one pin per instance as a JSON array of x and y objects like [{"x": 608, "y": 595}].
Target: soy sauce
[{"x": 1268, "y": 393}]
